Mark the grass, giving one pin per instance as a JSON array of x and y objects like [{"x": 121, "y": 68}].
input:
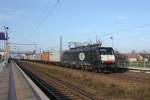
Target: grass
[{"x": 100, "y": 88}]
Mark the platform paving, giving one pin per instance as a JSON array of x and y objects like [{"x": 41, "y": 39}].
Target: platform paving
[
  {"x": 14, "y": 86},
  {"x": 4, "y": 82},
  {"x": 23, "y": 90}
]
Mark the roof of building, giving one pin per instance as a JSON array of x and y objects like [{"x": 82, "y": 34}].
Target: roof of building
[{"x": 132, "y": 55}]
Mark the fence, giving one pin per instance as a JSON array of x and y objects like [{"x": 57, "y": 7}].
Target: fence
[{"x": 141, "y": 64}]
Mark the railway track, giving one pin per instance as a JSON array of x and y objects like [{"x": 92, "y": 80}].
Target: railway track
[
  {"x": 125, "y": 77},
  {"x": 57, "y": 89}
]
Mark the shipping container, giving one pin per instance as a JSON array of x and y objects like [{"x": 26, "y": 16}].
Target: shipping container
[
  {"x": 45, "y": 56},
  {"x": 55, "y": 56},
  {"x": 38, "y": 56}
]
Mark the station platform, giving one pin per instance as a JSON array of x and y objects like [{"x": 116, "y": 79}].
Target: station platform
[
  {"x": 16, "y": 85},
  {"x": 4, "y": 82}
]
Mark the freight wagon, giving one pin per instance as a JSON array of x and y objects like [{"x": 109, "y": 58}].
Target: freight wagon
[{"x": 92, "y": 57}]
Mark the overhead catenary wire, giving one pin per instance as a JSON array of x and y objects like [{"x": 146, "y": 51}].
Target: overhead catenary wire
[
  {"x": 41, "y": 14},
  {"x": 45, "y": 17},
  {"x": 138, "y": 35},
  {"x": 130, "y": 29},
  {"x": 111, "y": 34}
]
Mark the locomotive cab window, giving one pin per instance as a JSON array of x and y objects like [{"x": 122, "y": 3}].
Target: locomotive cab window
[{"x": 106, "y": 51}]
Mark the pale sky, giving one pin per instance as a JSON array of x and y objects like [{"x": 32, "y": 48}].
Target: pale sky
[{"x": 35, "y": 21}]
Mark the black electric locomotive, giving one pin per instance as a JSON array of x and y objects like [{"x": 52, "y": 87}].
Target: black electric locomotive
[{"x": 90, "y": 57}]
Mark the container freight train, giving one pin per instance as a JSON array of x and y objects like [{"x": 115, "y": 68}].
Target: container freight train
[{"x": 90, "y": 57}]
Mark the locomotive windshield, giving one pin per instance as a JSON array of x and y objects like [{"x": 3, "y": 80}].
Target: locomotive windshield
[{"x": 106, "y": 51}]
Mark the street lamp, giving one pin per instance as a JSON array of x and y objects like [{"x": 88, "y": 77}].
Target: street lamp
[{"x": 6, "y": 47}]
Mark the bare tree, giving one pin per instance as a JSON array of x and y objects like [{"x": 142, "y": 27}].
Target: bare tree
[{"x": 120, "y": 56}]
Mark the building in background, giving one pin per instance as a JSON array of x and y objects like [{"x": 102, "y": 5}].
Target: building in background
[
  {"x": 131, "y": 57},
  {"x": 2, "y": 55}
]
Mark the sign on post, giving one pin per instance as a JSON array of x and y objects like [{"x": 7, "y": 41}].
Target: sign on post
[{"x": 2, "y": 36}]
